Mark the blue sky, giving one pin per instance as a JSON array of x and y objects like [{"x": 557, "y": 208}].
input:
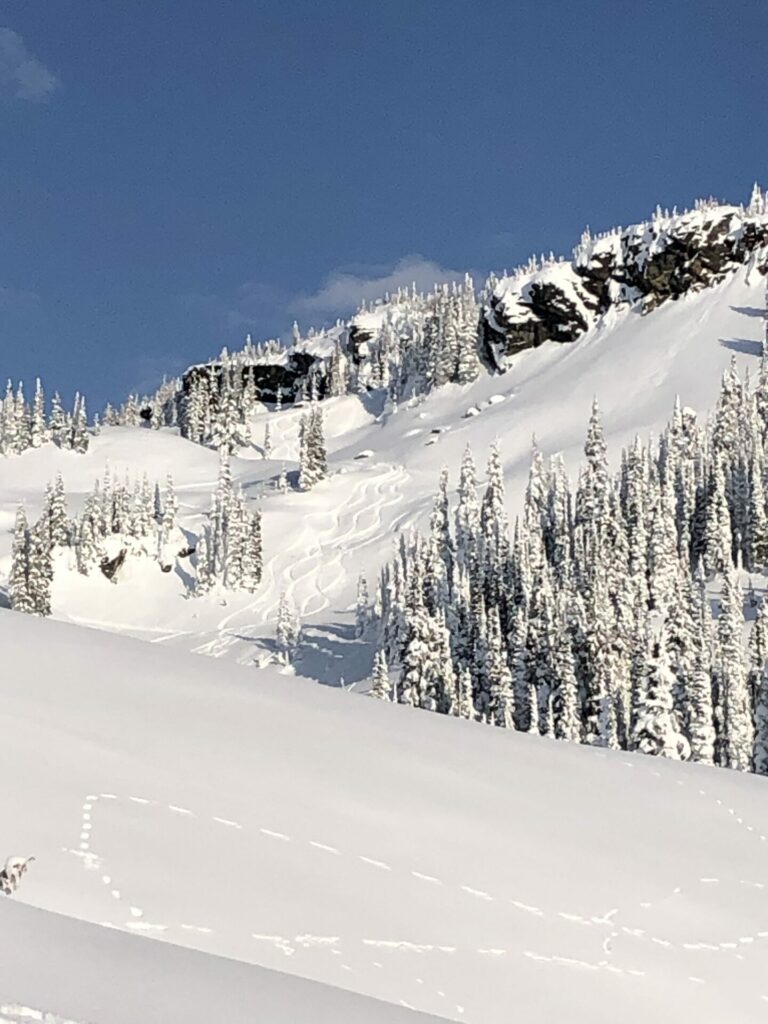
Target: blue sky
[{"x": 174, "y": 174}]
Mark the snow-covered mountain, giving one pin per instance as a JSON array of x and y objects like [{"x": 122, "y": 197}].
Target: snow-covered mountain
[
  {"x": 321, "y": 856},
  {"x": 383, "y": 468}
]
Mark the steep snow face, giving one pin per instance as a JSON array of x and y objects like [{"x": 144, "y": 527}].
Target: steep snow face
[
  {"x": 646, "y": 264},
  {"x": 316, "y": 543},
  {"x": 469, "y": 872}
]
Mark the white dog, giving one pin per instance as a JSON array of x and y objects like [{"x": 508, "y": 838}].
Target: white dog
[{"x": 10, "y": 876}]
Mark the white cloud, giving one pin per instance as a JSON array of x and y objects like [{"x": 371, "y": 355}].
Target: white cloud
[
  {"x": 267, "y": 310},
  {"x": 344, "y": 290},
  {"x": 21, "y": 75}
]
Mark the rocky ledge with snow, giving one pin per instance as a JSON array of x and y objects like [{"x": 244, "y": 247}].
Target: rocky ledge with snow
[{"x": 645, "y": 264}]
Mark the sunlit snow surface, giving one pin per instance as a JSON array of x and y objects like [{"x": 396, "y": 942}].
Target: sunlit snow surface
[
  {"x": 469, "y": 872},
  {"x": 316, "y": 543},
  {"x": 259, "y": 819}
]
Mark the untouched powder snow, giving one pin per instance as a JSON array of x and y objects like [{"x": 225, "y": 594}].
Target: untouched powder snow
[
  {"x": 105, "y": 977},
  {"x": 472, "y": 873},
  {"x": 316, "y": 543}
]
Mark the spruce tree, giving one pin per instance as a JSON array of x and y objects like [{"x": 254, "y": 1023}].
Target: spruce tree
[
  {"x": 362, "y": 611},
  {"x": 381, "y": 686},
  {"x": 22, "y": 597},
  {"x": 657, "y": 729},
  {"x": 287, "y": 629},
  {"x": 760, "y": 758},
  {"x": 736, "y": 730}
]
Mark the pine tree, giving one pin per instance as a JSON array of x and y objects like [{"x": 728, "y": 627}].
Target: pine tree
[
  {"x": 592, "y": 497},
  {"x": 381, "y": 686},
  {"x": 79, "y": 440},
  {"x": 500, "y": 684},
  {"x": 736, "y": 733},
  {"x": 761, "y": 725},
  {"x": 495, "y": 530},
  {"x": 38, "y": 426},
  {"x": 287, "y": 630},
  {"x": 22, "y": 598},
  {"x": 55, "y": 520},
  {"x": 40, "y": 571},
  {"x": 421, "y": 678},
  {"x": 361, "y": 607},
  {"x": 170, "y": 507},
  {"x": 313, "y": 462},
  {"x": 465, "y": 707},
  {"x": 467, "y": 510},
  {"x": 205, "y": 573},
  {"x": 58, "y": 422},
  {"x": 566, "y": 717},
  {"x": 657, "y": 730}
]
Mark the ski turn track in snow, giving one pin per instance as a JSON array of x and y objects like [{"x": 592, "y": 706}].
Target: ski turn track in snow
[{"x": 313, "y": 564}]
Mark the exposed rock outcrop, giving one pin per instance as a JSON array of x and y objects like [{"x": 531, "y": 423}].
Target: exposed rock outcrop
[
  {"x": 285, "y": 375},
  {"x": 645, "y": 264}
]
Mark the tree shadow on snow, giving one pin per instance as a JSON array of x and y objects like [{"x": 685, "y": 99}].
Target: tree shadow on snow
[
  {"x": 329, "y": 655},
  {"x": 749, "y": 311},
  {"x": 743, "y": 345}
]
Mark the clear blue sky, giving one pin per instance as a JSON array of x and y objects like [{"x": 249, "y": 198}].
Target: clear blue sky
[{"x": 176, "y": 172}]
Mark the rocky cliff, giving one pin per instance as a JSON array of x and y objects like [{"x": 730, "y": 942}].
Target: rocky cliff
[{"x": 644, "y": 265}]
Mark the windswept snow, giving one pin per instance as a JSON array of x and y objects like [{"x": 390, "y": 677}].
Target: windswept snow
[{"x": 471, "y": 873}]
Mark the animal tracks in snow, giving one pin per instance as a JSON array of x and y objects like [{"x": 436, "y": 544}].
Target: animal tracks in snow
[{"x": 617, "y": 936}]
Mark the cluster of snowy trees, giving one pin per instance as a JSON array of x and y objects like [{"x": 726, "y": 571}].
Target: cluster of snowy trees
[
  {"x": 216, "y": 405},
  {"x": 26, "y": 425},
  {"x": 407, "y": 345},
  {"x": 229, "y": 548},
  {"x": 123, "y": 518},
  {"x": 29, "y": 583},
  {"x": 424, "y": 342},
  {"x": 591, "y": 619},
  {"x": 155, "y": 411},
  {"x": 116, "y": 517}
]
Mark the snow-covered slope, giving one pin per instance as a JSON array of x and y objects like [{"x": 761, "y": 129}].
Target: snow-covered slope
[
  {"x": 64, "y": 971},
  {"x": 472, "y": 873},
  {"x": 316, "y": 543}
]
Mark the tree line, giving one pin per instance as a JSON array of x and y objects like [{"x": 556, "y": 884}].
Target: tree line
[{"x": 611, "y": 613}]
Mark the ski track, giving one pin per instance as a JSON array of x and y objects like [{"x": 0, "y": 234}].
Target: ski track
[
  {"x": 610, "y": 927},
  {"x": 326, "y": 542}
]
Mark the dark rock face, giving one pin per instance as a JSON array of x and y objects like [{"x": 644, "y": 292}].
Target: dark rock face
[
  {"x": 356, "y": 338},
  {"x": 646, "y": 264},
  {"x": 268, "y": 377}
]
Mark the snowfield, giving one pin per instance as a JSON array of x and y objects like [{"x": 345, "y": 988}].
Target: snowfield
[
  {"x": 471, "y": 873},
  {"x": 221, "y": 839},
  {"x": 316, "y": 543}
]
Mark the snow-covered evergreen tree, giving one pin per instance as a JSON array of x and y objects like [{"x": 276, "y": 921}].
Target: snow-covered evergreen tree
[
  {"x": 313, "y": 461},
  {"x": 287, "y": 629},
  {"x": 381, "y": 686}
]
